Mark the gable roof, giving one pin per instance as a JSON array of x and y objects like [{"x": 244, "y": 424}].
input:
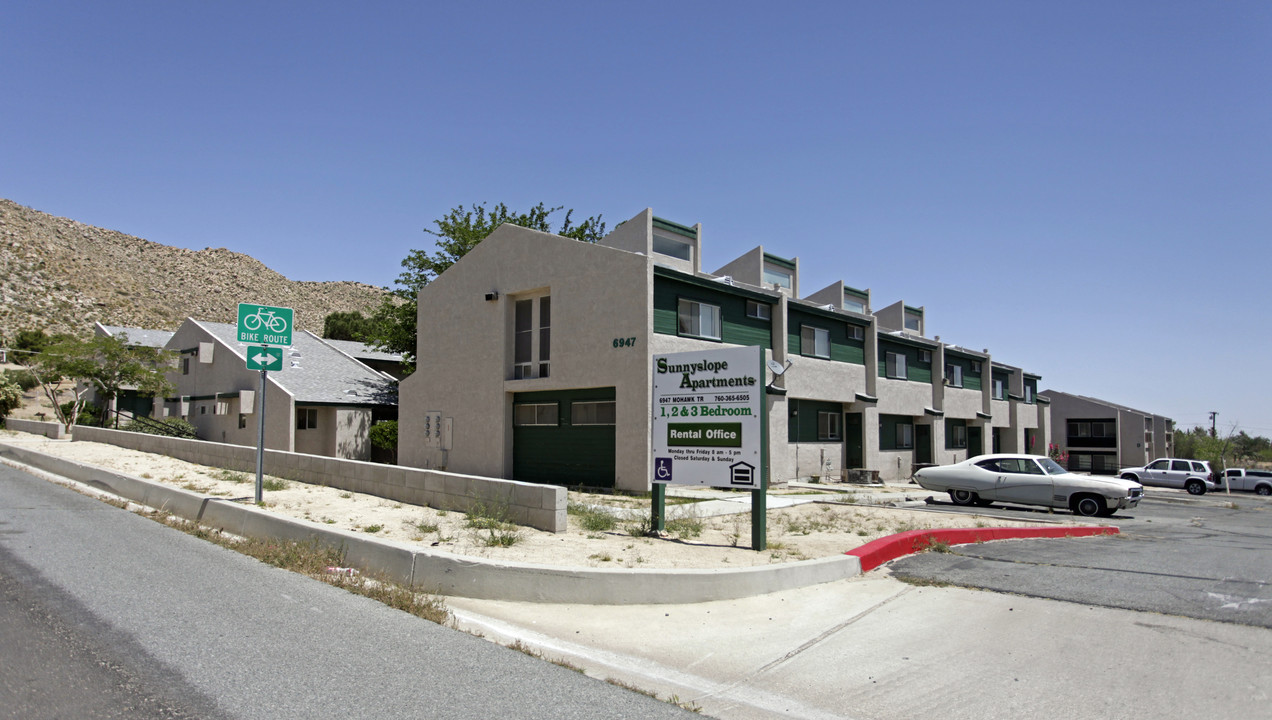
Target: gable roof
[
  {"x": 314, "y": 372},
  {"x": 362, "y": 351},
  {"x": 138, "y": 337}
]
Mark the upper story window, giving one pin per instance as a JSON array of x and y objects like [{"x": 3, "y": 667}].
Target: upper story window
[
  {"x": 856, "y": 332},
  {"x": 671, "y": 246},
  {"x": 778, "y": 276},
  {"x": 758, "y": 310},
  {"x": 1029, "y": 396},
  {"x": 814, "y": 341},
  {"x": 697, "y": 319},
  {"x": 999, "y": 388},
  {"x": 532, "y": 341},
  {"x": 854, "y": 303},
  {"x": 185, "y": 366},
  {"x": 896, "y": 366},
  {"x": 954, "y": 376},
  {"x": 913, "y": 322}
]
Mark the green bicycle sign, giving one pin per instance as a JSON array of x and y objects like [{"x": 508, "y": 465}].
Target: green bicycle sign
[{"x": 264, "y": 325}]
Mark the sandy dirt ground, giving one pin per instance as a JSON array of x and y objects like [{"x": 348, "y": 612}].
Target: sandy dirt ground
[{"x": 604, "y": 530}]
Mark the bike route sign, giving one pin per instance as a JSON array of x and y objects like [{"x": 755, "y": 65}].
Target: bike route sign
[
  {"x": 264, "y": 325},
  {"x": 707, "y": 424}
]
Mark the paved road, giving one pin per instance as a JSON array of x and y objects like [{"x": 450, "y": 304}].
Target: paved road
[
  {"x": 102, "y": 604},
  {"x": 1208, "y": 558}
]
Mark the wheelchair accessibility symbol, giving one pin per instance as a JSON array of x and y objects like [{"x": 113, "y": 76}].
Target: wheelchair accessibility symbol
[{"x": 662, "y": 469}]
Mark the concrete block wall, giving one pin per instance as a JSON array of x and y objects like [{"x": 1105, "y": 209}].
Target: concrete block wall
[
  {"x": 537, "y": 506},
  {"x": 53, "y": 430},
  {"x": 458, "y": 575}
]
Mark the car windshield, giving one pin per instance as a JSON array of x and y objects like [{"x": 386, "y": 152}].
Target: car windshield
[{"x": 1051, "y": 466}]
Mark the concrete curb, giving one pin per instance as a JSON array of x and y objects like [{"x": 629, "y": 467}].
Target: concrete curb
[
  {"x": 874, "y": 554},
  {"x": 457, "y": 575}
]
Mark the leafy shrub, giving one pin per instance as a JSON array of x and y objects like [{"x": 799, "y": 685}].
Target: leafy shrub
[
  {"x": 88, "y": 415},
  {"x": 10, "y": 398},
  {"x": 175, "y": 422},
  {"x": 23, "y": 378}
]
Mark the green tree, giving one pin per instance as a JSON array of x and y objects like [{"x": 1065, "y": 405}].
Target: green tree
[
  {"x": 346, "y": 326},
  {"x": 458, "y": 232},
  {"x": 384, "y": 435},
  {"x": 106, "y": 365},
  {"x": 10, "y": 398},
  {"x": 28, "y": 344}
]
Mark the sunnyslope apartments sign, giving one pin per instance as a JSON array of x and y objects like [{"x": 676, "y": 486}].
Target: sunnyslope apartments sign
[{"x": 708, "y": 418}]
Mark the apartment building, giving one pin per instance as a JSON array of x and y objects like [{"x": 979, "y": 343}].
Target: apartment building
[
  {"x": 1101, "y": 437},
  {"x": 323, "y": 401},
  {"x": 534, "y": 352}
]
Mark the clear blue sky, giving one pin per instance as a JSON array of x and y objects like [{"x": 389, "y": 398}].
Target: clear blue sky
[{"x": 1084, "y": 188}]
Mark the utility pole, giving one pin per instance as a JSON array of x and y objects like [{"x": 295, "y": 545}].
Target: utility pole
[{"x": 1213, "y": 414}]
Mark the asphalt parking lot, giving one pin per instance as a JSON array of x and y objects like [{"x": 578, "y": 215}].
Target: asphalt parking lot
[{"x": 1205, "y": 557}]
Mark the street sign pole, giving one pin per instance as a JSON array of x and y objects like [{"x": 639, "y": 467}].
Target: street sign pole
[{"x": 260, "y": 440}]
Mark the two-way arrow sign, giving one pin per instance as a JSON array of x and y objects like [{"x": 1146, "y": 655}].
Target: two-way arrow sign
[{"x": 265, "y": 358}]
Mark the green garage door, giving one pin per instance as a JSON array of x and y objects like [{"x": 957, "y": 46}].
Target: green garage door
[{"x": 564, "y": 437}]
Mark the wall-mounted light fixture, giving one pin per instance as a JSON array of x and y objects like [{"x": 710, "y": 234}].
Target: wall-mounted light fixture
[{"x": 492, "y": 296}]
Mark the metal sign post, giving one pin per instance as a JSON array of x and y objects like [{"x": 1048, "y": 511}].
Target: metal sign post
[
  {"x": 260, "y": 441},
  {"x": 264, "y": 325},
  {"x": 710, "y": 427}
]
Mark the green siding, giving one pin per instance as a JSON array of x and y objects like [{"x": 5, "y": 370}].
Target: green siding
[
  {"x": 565, "y": 454},
  {"x": 801, "y": 423},
  {"x": 780, "y": 261},
  {"x": 888, "y": 431},
  {"x": 735, "y": 327},
  {"x": 915, "y": 371},
  {"x": 971, "y": 380},
  {"x": 677, "y": 228},
  {"x": 842, "y": 348}
]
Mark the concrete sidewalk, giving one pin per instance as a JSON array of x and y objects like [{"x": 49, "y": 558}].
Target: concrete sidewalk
[{"x": 873, "y": 647}]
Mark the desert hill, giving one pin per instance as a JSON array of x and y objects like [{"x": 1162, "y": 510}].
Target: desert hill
[{"x": 62, "y": 275}]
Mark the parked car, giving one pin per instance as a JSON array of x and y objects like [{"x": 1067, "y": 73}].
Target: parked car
[
  {"x": 1194, "y": 476},
  {"x": 1256, "y": 481},
  {"x": 1029, "y": 480}
]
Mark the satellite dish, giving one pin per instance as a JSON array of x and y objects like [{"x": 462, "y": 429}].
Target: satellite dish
[{"x": 777, "y": 367}]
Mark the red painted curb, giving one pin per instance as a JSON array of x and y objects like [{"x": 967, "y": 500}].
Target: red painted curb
[{"x": 873, "y": 554}]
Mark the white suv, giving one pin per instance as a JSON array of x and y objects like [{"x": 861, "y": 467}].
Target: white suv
[{"x": 1192, "y": 475}]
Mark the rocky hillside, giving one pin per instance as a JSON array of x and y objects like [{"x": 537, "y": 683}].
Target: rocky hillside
[{"x": 62, "y": 275}]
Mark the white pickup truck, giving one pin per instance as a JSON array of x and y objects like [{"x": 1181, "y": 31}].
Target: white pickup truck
[{"x": 1255, "y": 481}]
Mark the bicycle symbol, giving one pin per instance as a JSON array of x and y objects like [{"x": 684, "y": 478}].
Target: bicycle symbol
[{"x": 266, "y": 318}]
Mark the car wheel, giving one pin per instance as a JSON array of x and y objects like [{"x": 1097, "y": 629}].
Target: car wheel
[
  {"x": 1195, "y": 487},
  {"x": 1089, "y": 506},
  {"x": 1130, "y": 476},
  {"x": 964, "y": 497},
  {"x": 1264, "y": 490},
  {"x": 983, "y": 503}
]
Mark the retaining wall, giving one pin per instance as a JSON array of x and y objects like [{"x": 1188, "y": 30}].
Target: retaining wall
[
  {"x": 53, "y": 430},
  {"x": 530, "y": 504},
  {"x": 456, "y": 575}
]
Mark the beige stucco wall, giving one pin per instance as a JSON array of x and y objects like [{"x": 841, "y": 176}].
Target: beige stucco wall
[{"x": 465, "y": 352}]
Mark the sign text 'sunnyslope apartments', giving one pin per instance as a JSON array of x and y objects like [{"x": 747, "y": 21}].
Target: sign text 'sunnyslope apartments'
[{"x": 707, "y": 415}]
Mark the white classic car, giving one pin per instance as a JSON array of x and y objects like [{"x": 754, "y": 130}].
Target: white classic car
[{"x": 1029, "y": 480}]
